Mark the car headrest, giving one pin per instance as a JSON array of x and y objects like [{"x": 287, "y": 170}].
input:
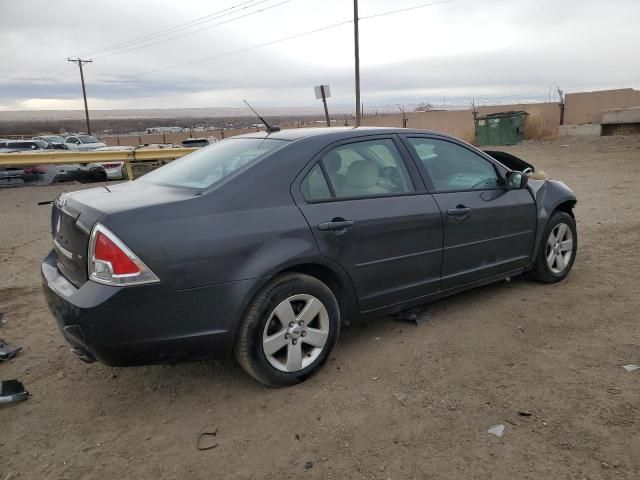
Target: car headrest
[
  {"x": 333, "y": 162},
  {"x": 362, "y": 174},
  {"x": 441, "y": 152}
]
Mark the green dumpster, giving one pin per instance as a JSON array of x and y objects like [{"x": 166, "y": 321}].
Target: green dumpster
[{"x": 504, "y": 128}]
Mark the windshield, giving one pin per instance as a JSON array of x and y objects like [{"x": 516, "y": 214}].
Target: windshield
[
  {"x": 54, "y": 139},
  {"x": 88, "y": 139},
  {"x": 211, "y": 164}
]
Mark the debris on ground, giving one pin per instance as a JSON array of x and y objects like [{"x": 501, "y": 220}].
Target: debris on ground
[
  {"x": 400, "y": 397},
  {"x": 631, "y": 368},
  {"x": 206, "y": 440},
  {"x": 7, "y": 352},
  {"x": 12, "y": 391},
  {"x": 497, "y": 430},
  {"x": 414, "y": 315},
  {"x": 308, "y": 465},
  {"x": 524, "y": 413}
]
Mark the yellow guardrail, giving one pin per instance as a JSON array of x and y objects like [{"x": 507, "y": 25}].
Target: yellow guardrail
[{"x": 63, "y": 157}]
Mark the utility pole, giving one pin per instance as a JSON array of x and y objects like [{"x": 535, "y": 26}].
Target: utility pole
[
  {"x": 356, "y": 36},
  {"x": 326, "y": 110},
  {"x": 81, "y": 62},
  {"x": 404, "y": 116},
  {"x": 561, "y": 96}
]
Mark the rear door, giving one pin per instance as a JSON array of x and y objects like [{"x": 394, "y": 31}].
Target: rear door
[
  {"x": 369, "y": 211},
  {"x": 488, "y": 230}
]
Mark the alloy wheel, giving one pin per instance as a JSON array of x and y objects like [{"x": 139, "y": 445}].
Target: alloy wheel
[
  {"x": 295, "y": 333},
  {"x": 559, "y": 248}
]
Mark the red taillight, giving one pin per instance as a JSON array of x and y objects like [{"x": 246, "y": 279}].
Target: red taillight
[
  {"x": 107, "y": 251},
  {"x": 38, "y": 169},
  {"x": 110, "y": 165},
  {"x": 111, "y": 262}
]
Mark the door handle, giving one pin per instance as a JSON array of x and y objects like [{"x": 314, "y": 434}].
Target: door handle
[
  {"x": 335, "y": 225},
  {"x": 460, "y": 211}
]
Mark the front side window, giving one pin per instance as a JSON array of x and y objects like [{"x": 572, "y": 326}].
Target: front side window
[
  {"x": 366, "y": 169},
  {"x": 209, "y": 165},
  {"x": 452, "y": 167}
]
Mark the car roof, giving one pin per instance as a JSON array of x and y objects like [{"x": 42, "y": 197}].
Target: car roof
[{"x": 336, "y": 133}]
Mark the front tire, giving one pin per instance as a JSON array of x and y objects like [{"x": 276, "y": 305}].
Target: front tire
[
  {"x": 288, "y": 330},
  {"x": 557, "y": 251}
]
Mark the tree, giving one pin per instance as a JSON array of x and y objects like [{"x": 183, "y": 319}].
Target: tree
[{"x": 423, "y": 107}]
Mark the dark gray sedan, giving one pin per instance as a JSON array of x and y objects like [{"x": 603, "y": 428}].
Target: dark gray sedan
[{"x": 261, "y": 246}]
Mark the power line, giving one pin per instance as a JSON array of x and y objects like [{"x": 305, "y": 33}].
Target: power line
[
  {"x": 400, "y": 10},
  {"x": 51, "y": 68},
  {"x": 253, "y": 47},
  {"x": 273, "y": 42},
  {"x": 193, "y": 31},
  {"x": 78, "y": 61},
  {"x": 182, "y": 26}
]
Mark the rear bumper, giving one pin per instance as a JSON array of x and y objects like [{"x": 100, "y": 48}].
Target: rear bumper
[{"x": 147, "y": 324}]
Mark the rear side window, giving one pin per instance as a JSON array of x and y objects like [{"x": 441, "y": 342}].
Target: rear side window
[
  {"x": 209, "y": 165},
  {"x": 361, "y": 169},
  {"x": 314, "y": 186}
]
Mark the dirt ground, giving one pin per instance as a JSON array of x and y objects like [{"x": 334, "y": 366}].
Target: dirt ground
[{"x": 395, "y": 401}]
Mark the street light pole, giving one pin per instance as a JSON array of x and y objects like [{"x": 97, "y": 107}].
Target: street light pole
[
  {"x": 357, "y": 59},
  {"x": 80, "y": 62}
]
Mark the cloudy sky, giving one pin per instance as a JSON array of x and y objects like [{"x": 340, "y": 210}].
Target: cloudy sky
[{"x": 203, "y": 53}]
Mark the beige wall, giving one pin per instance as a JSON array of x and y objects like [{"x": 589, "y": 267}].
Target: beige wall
[
  {"x": 454, "y": 122},
  {"x": 136, "y": 140},
  {"x": 587, "y": 107},
  {"x": 549, "y": 111},
  {"x": 584, "y": 107}
]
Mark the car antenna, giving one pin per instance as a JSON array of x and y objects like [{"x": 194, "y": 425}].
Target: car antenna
[{"x": 270, "y": 128}]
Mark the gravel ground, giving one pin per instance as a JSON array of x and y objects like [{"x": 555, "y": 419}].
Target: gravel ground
[{"x": 395, "y": 401}]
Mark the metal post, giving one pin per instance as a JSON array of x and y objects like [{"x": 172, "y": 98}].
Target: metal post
[
  {"x": 127, "y": 165},
  {"x": 326, "y": 110},
  {"x": 80, "y": 62},
  {"x": 357, "y": 59}
]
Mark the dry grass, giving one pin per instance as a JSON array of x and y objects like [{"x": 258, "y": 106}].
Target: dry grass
[
  {"x": 535, "y": 126},
  {"x": 470, "y": 137}
]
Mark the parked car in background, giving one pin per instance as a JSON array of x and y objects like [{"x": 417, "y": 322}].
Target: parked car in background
[
  {"x": 83, "y": 142},
  {"x": 54, "y": 141},
  {"x": 11, "y": 176},
  {"x": 22, "y": 145},
  {"x": 198, "y": 142},
  {"x": 49, "y": 174},
  {"x": 115, "y": 170},
  {"x": 203, "y": 257}
]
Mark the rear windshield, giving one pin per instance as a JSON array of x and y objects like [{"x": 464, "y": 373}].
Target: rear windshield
[
  {"x": 211, "y": 164},
  {"x": 88, "y": 139},
  {"x": 54, "y": 139}
]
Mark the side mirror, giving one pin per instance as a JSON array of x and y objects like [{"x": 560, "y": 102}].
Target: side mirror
[{"x": 516, "y": 180}]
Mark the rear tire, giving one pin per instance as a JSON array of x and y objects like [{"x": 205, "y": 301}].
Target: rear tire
[
  {"x": 557, "y": 250},
  {"x": 288, "y": 330}
]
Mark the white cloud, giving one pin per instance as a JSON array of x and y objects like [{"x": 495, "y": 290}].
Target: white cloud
[{"x": 461, "y": 48}]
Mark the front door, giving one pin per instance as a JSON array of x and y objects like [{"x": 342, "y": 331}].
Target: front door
[
  {"x": 488, "y": 230},
  {"x": 369, "y": 212}
]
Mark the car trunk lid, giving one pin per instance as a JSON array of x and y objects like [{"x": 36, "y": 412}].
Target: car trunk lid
[{"x": 74, "y": 215}]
